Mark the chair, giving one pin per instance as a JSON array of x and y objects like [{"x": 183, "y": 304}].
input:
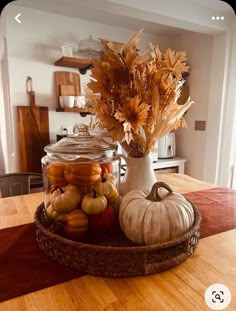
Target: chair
[{"x": 13, "y": 184}]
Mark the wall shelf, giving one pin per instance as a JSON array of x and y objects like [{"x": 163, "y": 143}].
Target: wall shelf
[
  {"x": 73, "y": 62},
  {"x": 83, "y": 111}
]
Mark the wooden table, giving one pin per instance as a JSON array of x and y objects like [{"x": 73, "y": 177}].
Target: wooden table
[{"x": 180, "y": 288}]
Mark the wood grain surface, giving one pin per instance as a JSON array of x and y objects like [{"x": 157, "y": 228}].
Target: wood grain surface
[
  {"x": 33, "y": 134},
  {"x": 181, "y": 288},
  {"x": 67, "y": 90},
  {"x": 66, "y": 83}
]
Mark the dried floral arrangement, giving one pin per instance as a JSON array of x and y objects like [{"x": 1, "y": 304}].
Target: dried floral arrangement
[{"x": 137, "y": 102}]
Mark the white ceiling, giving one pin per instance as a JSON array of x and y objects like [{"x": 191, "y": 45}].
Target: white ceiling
[
  {"x": 116, "y": 12},
  {"x": 221, "y": 6}
]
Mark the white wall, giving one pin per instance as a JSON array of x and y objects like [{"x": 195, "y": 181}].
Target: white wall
[
  {"x": 2, "y": 110},
  {"x": 190, "y": 144},
  {"x": 5, "y": 110},
  {"x": 226, "y": 173},
  {"x": 34, "y": 46},
  {"x": 215, "y": 108}
]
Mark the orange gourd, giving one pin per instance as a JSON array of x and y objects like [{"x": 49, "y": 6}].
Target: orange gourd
[
  {"x": 82, "y": 172},
  {"x": 106, "y": 168},
  {"x": 55, "y": 173},
  {"x": 76, "y": 224}
]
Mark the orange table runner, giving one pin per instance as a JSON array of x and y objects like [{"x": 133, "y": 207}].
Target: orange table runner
[
  {"x": 217, "y": 207},
  {"x": 25, "y": 268}
]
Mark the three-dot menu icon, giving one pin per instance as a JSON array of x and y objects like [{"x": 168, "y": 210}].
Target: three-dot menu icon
[{"x": 217, "y": 18}]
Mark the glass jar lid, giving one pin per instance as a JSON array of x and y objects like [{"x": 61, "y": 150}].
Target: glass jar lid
[
  {"x": 82, "y": 142},
  {"x": 90, "y": 44},
  {"x": 90, "y": 47}
]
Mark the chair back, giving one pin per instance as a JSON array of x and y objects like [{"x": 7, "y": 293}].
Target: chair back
[{"x": 13, "y": 184}]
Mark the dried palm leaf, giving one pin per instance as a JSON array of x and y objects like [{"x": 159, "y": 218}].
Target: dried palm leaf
[{"x": 138, "y": 94}]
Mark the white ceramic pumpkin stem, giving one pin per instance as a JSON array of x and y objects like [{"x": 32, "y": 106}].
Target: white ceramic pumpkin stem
[{"x": 154, "y": 195}]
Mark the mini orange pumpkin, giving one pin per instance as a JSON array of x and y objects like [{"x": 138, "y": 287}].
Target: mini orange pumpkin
[
  {"x": 55, "y": 173},
  {"x": 76, "y": 224},
  {"x": 84, "y": 173},
  {"x": 106, "y": 167}
]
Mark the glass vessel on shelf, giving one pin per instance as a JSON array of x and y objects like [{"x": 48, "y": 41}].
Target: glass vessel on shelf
[{"x": 90, "y": 48}]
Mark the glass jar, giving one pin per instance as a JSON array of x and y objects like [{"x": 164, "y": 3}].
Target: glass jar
[
  {"x": 90, "y": 48},
  {"x": 81, "y": 172}
]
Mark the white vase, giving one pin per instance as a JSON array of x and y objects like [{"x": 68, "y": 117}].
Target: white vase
[{"x": 139, "y": 174}]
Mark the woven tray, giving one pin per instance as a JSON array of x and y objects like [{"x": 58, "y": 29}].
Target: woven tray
[{"x": 114, "y": 256}]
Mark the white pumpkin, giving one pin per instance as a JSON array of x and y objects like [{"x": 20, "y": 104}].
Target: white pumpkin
[{"x": 157, "y": 217}]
